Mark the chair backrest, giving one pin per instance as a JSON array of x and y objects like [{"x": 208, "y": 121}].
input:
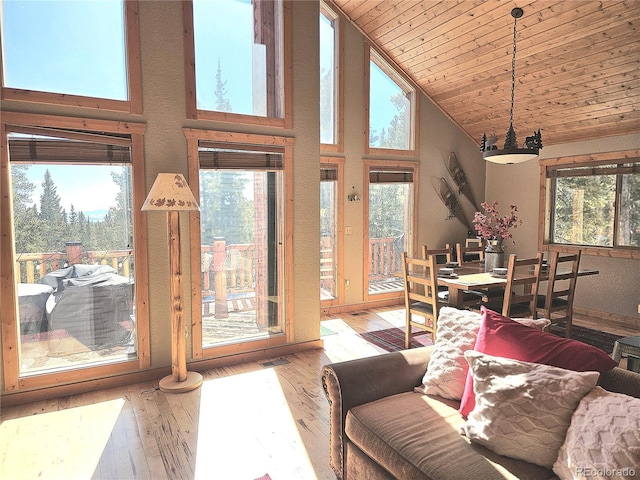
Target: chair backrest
[
  {"x": 443, "y": 255},
  {"x": 561, "y": 286},
  {"x": 523, "y": 278},
  {"x": 473, "y": 242},
  {"x": 421, "y": 287},
  {"x": 467, "y": 254}
]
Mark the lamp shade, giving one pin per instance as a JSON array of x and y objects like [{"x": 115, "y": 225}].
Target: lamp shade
[{"x": 170, "y": 192}]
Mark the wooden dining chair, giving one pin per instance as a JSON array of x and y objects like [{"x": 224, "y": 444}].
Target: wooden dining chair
[
  {"x": 557, "y": 304},
  {"x": 469, "y": 254},
  {"x": 521, "y": 289},
  {"x": 442, "y": 256},
  {"x": 420, "y": 295}
]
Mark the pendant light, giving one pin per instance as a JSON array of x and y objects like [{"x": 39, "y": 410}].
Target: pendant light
[{"x": 511, "y": 153}]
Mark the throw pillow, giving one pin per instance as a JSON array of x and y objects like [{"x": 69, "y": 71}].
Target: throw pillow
[
  {"x": 503, "y": 337},
  {"x": 603, "y": 439},
  {"x": 523, "y": 410},
  {"x": 456, "y": 332}
]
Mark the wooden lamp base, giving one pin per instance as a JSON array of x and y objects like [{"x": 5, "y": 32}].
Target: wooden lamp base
[{"x": 169, "y": 385}]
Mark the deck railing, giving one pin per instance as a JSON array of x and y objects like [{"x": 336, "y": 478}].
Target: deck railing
[{"x": 32, "y": 267}]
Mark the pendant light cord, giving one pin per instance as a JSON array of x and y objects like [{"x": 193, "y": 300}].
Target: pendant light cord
[{"x": 513, "y": 70}]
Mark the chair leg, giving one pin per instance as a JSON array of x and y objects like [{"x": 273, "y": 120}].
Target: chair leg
[
  {"x": 567, "y": 327},
  {"x": 407, "y": 332}
]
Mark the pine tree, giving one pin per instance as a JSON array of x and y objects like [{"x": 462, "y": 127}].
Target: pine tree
[
  {"x": 52, "y": 216},
  {"x": 26, "y": 223},
  {"x": 222, "y": 102}
]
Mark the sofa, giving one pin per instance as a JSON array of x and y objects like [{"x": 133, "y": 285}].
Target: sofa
[{"x": 383, "y": 425}]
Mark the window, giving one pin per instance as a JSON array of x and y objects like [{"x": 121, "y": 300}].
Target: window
[
  {"x": 331, "y": 238},
  {"x": 240, "y": 231},
  {"x": 392, "y": 108},
  {"x": 391, "y": 199},
  {"x": 238, "y": 47},
  {"x": 593, "y": 204},
  {"x": 330, "y": 80},
  {"x": 72, "y": 53},
  {"x": 73, "y": 255}
]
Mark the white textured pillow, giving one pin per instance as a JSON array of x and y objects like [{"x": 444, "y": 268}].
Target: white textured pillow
[
  {"x": 456, "y": 332},
  {"x": 603, "y": 439},
  {"x": 523, "y": 410}
]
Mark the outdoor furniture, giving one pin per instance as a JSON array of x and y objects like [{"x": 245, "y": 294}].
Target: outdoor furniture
[
  {"x": 32, "y": 298},
  {"x": 628, "y": 347}
]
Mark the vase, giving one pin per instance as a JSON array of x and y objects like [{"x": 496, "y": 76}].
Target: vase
[{"x": 493, "y": 255}]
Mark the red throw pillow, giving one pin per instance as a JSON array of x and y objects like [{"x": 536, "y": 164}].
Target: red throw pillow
[{"x": 502, "y": 337}]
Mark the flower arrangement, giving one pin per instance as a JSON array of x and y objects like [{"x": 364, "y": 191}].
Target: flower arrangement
[{"x": 491, "y": 226}]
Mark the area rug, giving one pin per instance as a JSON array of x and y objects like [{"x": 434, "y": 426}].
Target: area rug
[
  {"x": 602, "y": 340},
  {"x": 392, "y": 339}
]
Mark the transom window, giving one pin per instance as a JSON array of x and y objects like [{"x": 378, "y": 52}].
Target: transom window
[
  {"x": 593, "y": 204},
  {"x": 239, "y": 59},
  {"x": 392, "y": 107},
  {"x": 59, "y": 49},
  {"x": 329, "y": 78}
]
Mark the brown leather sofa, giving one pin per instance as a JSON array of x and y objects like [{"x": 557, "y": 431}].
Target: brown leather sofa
[{"x": 381, "y": 429}]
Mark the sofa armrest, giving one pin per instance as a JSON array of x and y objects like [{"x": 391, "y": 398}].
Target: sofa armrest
[{"x": 356, "y": 382}]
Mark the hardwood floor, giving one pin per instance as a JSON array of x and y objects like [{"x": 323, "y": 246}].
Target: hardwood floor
[{"x": 246, "y": 420}]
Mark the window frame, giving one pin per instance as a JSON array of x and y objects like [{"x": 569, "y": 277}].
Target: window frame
[
  {"x": 373, "y": 55},
  {"x": 338, "y": 162},
  {"x": 414, "y": 167},
  {"x": 134, "y": 79},
  {"x": 337, "y": 21},
  {"x": 547, "y": 198},
  {"x": 192, "y": 110},
  {"x": 245, "y": 140},
  {"x": 12, "y": 381}
]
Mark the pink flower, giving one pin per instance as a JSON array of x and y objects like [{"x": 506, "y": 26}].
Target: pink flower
[{"x": 491, "y": 226}]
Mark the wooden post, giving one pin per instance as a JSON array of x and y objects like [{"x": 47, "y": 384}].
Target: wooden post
[
  {"x": 180, "y": 380},
  {"x": 74, "y": 252},
  {"x": 220, "y": 276}
]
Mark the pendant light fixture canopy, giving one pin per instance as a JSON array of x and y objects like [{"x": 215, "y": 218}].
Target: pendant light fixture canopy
[{"x": 511, "y": 153}]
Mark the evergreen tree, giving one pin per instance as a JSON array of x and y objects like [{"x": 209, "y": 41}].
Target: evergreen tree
[
  {"x": 25, "y": 216},
  {"x": 52, "y": 216},
  {"x": 222, "y": 102},
  {"x": 397, "y": 132}
]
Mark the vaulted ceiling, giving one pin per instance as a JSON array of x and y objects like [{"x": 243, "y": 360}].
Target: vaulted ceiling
[{"x": 577, "y": 69}]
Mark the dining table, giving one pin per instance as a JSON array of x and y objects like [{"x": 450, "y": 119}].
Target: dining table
[{"x": 471, "y": 276}]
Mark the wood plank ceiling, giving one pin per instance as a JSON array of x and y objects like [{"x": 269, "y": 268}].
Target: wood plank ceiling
[{"x": 577, "y": 68}]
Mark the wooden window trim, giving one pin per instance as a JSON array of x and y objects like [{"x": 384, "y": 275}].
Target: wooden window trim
[
  {"x": 134, "y": 79},
  {"x": 544, "y": 216},
  {"x": 246, "y": 140},
  {"x": 193, "y": 112},
  {"x": 388, "y": 67},
  {"x": 368, "y": 164},
  {"x": 330, "y": 11},
  {"x": 339, "y": 163},
  {"x": 12, "y": 382}
]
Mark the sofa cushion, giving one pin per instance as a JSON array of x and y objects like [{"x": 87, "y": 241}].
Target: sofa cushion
[
  {"x": 416, "y": 436},
  {"x": 523, "y": 410},
  {"x": 604, "y": 436},
  {"x": 456, "y": 333},
  {"x": 504, "y": 337}
]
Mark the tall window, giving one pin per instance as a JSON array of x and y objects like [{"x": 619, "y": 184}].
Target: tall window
[
  {"x": 331, "y": 195},
  {"x": 241, "y": 237},
  {"x": 74, "y": 248},
  {"x": 239, "y": 59},
  {"x": 390, "y": 209},
  {"x": 329, "y": 77},
  {"x": 596, "y": 204},
  {"x": 392, "y": 107},
  {"x": 63, "y": 52}
]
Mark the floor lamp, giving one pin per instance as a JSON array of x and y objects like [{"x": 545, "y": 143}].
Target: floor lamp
[{"x": 171, "y": 193}]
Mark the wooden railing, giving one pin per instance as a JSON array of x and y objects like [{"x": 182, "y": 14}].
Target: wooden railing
[
  {"x": 32, "y": 267},
  {"x": 385, "y": 256}
]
